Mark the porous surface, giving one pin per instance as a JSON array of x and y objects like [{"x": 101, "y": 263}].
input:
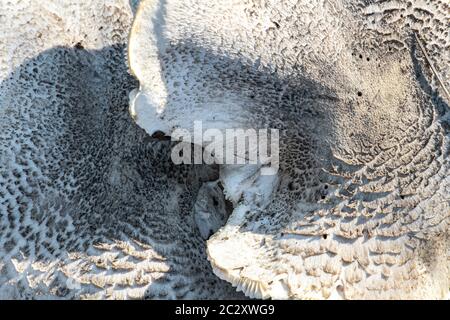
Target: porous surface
[
  {"x": 361, "y": 203},
  {"x": 90, "y": 206}
]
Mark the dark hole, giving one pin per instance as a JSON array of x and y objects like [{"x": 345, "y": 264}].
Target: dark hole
[
  {"x": 252, "y": 96},
  {"x": 79, "y": 46},
  {"x": 159, "y": 135},
  {"x": 324, "y": 236},
  {"x": 368, "y": 59},
  {"x": 180, "y": 153},
  {"x": 215, "y": 202},
  {"x": 402, "y": 197},
  {"x": 360, "y": 56},
  {"x": 325, "y": 186},
  {"x": 323, "y": 197},
  {"x": 291, "y": 186},
  {"x": 276, "y": 24},
  {"x": 228, "y": 207},
  {"x": 359, "y": 93}
]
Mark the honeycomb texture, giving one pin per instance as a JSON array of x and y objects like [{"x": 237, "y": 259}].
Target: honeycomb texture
[
  {"x": 362, "y": 204},
  {"x": 90, "y": 207}
]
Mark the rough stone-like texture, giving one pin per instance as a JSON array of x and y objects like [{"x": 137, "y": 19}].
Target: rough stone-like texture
[
  {"x": 90, "y": 207},
  {"x": 362, "y": 204}
]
